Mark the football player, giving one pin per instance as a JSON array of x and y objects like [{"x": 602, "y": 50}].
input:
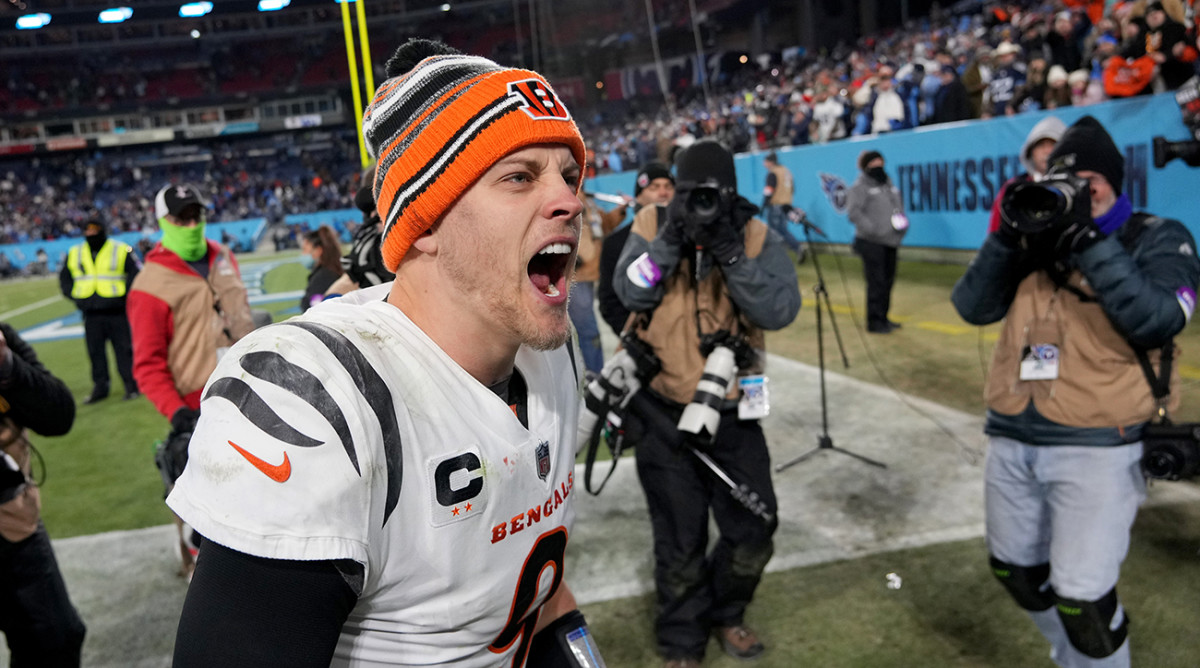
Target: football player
[{"x": 388, "y": 479}]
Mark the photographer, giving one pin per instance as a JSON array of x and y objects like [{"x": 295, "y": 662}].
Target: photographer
[
  {"x": 40, "y": 624},
  {"x": 1081, "y": 290},
  {"x": 703, "y": 267}
]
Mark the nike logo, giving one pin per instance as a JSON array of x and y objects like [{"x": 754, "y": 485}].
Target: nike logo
[{"x": 276, "y": 472}]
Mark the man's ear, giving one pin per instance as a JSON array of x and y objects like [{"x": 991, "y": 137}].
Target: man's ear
[{"x": 427, "y": 242}]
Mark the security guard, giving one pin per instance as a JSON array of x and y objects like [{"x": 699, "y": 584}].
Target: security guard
[{"x": 97, "y": 275}]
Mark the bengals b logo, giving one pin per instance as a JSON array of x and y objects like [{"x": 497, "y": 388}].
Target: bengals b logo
[{"x": 538, "y": 100}]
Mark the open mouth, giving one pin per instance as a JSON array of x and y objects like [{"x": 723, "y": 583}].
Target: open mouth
[{"x": 548, "y": 269}]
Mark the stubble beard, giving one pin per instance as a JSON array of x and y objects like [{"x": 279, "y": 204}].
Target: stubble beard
[{"x": 502, "y": 301}]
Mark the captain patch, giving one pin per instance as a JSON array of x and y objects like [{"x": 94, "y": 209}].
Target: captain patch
[{"x": 459, "y": 487}]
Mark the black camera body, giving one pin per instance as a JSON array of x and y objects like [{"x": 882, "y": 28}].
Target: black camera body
[
  {"x": 705, "y": 204},
  {"x": 1188, "y": 150},
  {"x": 1172, "y": 451},
  {"x": 1035, "y": 207}
]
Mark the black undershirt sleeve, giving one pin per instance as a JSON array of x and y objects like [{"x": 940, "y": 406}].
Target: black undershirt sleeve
[{"x": 249, "y": 611}]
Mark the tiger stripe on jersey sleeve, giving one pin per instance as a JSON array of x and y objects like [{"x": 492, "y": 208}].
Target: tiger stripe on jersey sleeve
[
  {"x": 254, "y": 409},
  {"x": 378, "y": 397},
  {"x": 277, "y": 370}
]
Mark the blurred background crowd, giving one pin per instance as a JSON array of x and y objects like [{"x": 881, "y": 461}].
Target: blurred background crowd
[{"x": 972, "y": 60}]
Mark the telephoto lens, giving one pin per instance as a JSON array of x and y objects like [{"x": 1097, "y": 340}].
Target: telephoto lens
[
  {"x": 702, "y": 417},
  {"x": 704, "y": 203},
  {"x": 1034, "y": 207}
]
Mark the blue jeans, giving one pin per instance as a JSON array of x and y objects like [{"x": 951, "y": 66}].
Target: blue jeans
[
  {"x": 1070, "y": 506},
  {"x": 583, "y": 316},
  {"x": 777, "y": 220}
]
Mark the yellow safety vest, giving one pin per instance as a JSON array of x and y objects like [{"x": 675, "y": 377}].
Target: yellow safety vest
[{"x": 104, "y": 276}]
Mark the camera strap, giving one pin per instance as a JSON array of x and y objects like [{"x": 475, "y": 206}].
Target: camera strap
[{"x": 1160, "y": 385}]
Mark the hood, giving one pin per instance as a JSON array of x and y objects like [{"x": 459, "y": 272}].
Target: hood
[{"x": 1049, "y": 127}]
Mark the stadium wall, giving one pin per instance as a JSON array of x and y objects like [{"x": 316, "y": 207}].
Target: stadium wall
[
  {"x": 246, "y": 233},
  {"x": 949, "y": 174}
]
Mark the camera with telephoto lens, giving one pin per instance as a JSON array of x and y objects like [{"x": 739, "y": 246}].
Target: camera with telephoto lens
[
  {"x": 609, "y": 392},
  {"x": 1033, "y": 207},
  {"x": 1188, "y": 150},
  {"x": 1171, "y": 451},
  {"x": 725, "y": 353}
]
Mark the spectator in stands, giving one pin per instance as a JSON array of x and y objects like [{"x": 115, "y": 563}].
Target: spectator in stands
[
  {"x": 1058, "y": 94},
  {"x": 952, "y": 102},
  {"x": 881, "y": 108},
  {"x": 1084, "y": 89},
  {"x": 321, "y": 254},
  {"x": 976, "y": 77},
  {"x": 1030, "y": 95},
  {"x": 96, "y": 276},
  {"x": 1009, "y": 75},
  {"x": 1063, "y": 42},
  {"x": 36, "y": 616},
  {"x": 829, "y": 112},
  {"x": 1166, "y": 42},
  {"x": 186, "y": 307}
]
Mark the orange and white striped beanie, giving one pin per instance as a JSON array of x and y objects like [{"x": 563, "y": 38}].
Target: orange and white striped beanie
[{"x": 437, "y": 128}]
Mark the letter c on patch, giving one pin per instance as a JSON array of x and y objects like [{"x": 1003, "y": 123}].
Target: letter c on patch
[{"x": 448, "y": 495}]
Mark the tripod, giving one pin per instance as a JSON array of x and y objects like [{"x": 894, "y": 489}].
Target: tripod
[{"x": 824, "y": 441}]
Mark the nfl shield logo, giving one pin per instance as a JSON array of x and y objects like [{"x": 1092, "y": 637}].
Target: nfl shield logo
[{"x": 543, "y": 459}]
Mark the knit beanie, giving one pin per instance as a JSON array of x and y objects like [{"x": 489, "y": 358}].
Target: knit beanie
[
  {"x": 706, "y": 161},
  {"x": 647, "y": 174},
  {"x": 434, "y": 130},
  {"x": 866, "y": 157},
  {"x": 1086, "y": 145}
]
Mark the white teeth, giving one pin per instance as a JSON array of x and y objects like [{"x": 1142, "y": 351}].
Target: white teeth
[
  {"x": 556, "y": 249},
  {"x": 552, "y": 290}
]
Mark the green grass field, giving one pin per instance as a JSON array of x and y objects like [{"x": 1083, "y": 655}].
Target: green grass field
[{"x": 949, "y": 612}]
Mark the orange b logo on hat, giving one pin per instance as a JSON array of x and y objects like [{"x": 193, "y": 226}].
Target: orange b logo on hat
[{"x": 538, "y": 100}]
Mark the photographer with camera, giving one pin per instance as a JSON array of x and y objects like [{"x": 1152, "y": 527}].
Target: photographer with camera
[
  {"x": 41, "y": 626},
  {"x": 1085, "y": 287},
  {"x": 704, "y": 278}
]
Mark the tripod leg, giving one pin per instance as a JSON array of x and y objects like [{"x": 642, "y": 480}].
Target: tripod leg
[{"x": 859, "y": 457}]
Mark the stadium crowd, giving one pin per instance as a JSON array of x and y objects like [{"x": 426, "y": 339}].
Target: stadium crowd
[
  {"x": 1013, "y": 57},
  {"x": 51, "y": 197}
]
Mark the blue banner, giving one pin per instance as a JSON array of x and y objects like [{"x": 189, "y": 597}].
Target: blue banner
[
  {"x": 240, "y": 235},
  {"x": 949, "y": 174}
]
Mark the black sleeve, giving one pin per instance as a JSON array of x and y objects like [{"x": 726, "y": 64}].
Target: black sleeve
[
  {"x": 611, "y": 308},
  {"x": 66, "y": 282},
  {"x": 251, "y": 611},
  {"x": 33, "y": 397}
]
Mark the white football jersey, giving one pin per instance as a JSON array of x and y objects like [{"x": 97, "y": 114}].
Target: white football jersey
[{"x": 347, "y": 433}]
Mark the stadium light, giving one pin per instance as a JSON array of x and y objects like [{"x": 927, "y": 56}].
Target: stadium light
[
  {"x": 115, "y": 15},
  {"x": 195, "y": 9},
  {"x": 33, "y": 21},
  {"x": 446, "y": 7},
  {"x": 195, "y": 34},
  {"x": 272, "y": 5}
]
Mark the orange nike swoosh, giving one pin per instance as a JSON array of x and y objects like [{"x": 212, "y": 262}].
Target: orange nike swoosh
[{"x": 276, "y": 472}]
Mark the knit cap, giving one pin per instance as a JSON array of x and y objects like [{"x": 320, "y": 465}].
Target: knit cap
[
  {"x": 866, "y": 157},
  {"x": 647, "y": 174},
  {"x": 435, "y": 129},
  {"x": 707, "y": 163},
  {"x": 1087, "y": 146}
]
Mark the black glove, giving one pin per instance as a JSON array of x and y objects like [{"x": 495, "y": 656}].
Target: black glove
[
  {"x": 721, "y": 240},
  {"x": 1080, "y": 232},
  {"x": 184, "y": 420},
  {"x": 674, "y": 230}
]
